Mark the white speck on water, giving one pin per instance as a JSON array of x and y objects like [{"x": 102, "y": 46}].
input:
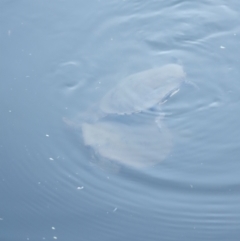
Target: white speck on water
[
  {"x": 115, "y": 209},
  {"x": 80, "y": 188},
  {"x": 51, "y": 159},
  {"x": 174, "y": 92},
  {"x": 75, "y": 63},
  {"x": 47, "y": 135},
  {"x": 222, "y": 47},
  {"x": 54, "y": 237},
  {"x": 53, "y": 228},
  {"x": 10, "y": 111},
  {"x": 214, "y": 104}
]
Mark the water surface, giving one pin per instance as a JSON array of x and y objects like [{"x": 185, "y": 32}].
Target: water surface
[{"x": 59, "y": 59}]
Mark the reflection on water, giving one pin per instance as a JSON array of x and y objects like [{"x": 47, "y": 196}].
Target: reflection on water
[{"x": 137, "y": 142}]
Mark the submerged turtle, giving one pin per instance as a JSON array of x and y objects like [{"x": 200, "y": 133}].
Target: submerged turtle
[
  {"x": 134, "y": 139},
  {"x": 143, "y": 90}
]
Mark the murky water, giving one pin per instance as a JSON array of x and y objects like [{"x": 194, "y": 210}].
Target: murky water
[{"x": 134, "y": 161}]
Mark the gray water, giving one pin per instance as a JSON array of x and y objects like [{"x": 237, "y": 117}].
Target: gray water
[{"x": 58, "y": 60}]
